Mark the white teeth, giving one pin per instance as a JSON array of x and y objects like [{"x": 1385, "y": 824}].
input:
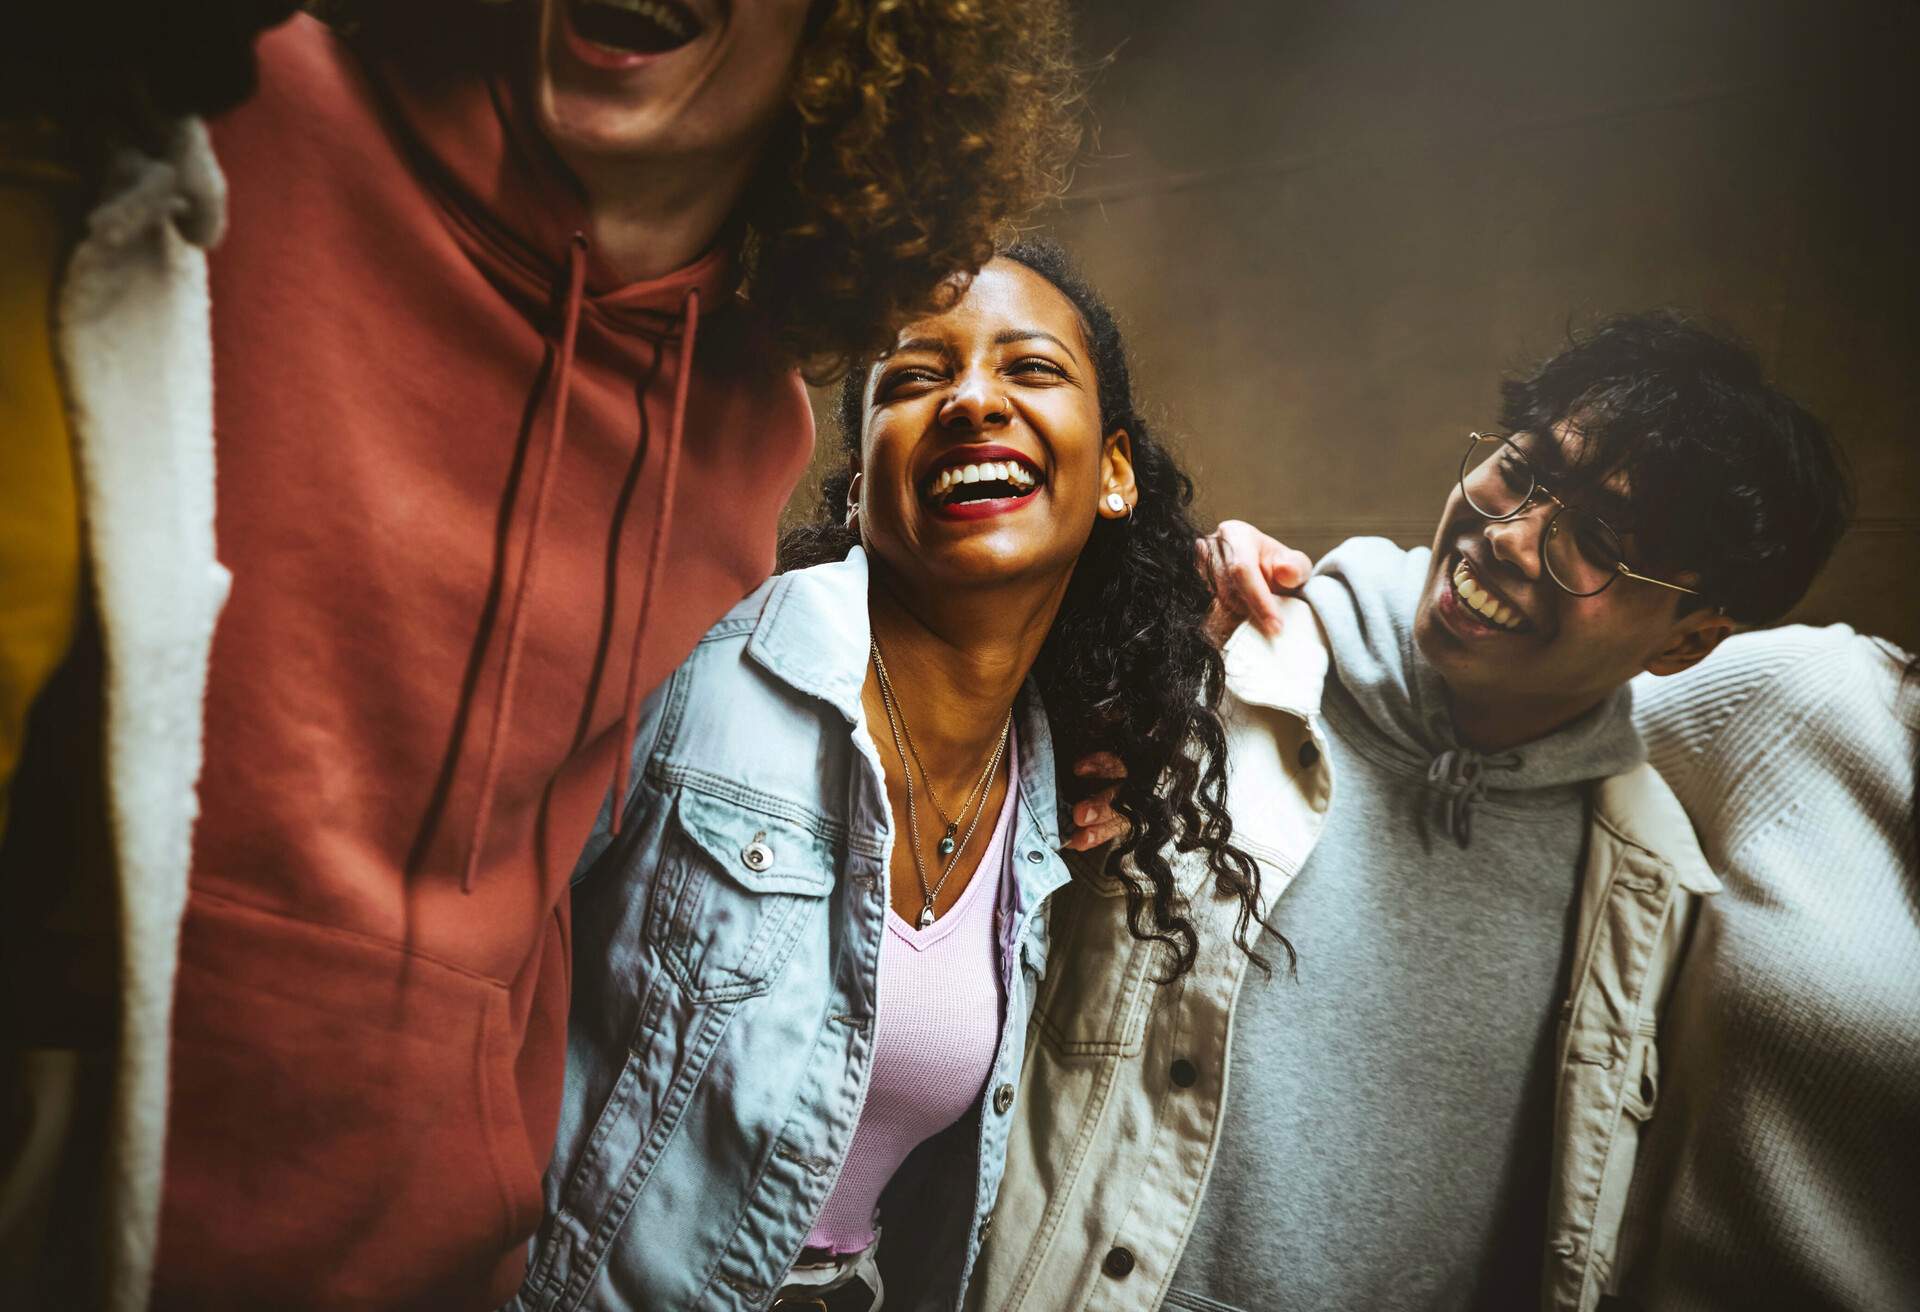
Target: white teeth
[
  {"x": 989, "y": 471},
  {"x": 1481, "y": 602},
  {"x": 645, "y": 8}
]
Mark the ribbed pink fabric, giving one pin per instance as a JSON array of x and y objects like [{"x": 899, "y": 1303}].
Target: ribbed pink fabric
[{"x": 937, "y": 1026}]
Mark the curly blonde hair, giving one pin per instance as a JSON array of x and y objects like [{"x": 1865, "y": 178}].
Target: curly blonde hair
[{"x": 921, "y": 134}]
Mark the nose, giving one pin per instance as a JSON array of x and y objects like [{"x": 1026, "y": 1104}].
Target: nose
[
  {"x": 1516, "y": 542},
  {"x": 976, "y": 403}
]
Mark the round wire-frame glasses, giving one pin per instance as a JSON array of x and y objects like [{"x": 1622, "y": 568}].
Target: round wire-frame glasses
[{"x": 1582, "y": 551}]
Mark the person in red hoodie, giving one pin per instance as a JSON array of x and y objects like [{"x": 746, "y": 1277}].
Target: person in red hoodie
[{"x": 506, "y": 330}]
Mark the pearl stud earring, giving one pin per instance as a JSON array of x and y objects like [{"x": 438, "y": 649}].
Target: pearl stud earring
[{"x": 1115, "y": 502}]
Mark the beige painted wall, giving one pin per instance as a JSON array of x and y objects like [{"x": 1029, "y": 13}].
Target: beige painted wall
[{"x": 1331, "y": 227}]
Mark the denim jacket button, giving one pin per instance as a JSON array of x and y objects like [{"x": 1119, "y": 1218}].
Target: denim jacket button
[
  {"x": 1036, "y": 856},
  {"x": 1309, "y": 755},
  {"x": 758, "y": 856},
  {"x": 1118, "y": 1263},
  {"x": 1003, "y": 1099}
]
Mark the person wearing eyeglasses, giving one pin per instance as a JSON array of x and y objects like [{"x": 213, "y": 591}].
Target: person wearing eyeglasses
[{"x": 1440, "y": 1107}]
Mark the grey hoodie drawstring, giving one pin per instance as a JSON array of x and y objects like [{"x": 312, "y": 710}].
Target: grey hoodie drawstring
[{"x": 1460, "y": 773}]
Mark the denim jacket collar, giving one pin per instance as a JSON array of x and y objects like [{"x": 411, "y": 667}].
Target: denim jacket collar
[{"x": 815, "y": 635}]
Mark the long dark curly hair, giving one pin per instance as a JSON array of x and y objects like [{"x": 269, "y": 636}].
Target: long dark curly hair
[
  {"x": 918, "y": 133},
  {"x": 1127, "y": 667}
]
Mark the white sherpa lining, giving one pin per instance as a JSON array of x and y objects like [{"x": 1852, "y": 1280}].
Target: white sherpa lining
[{"x": 137, "y": 358}]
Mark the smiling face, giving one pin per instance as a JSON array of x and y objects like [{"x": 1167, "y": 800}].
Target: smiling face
[
  {"x": 664, "y": 79},
  {"x": 1521, "y": 656},
  {"x": 982, "y": 460}
]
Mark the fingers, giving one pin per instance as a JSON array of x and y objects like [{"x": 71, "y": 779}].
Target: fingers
[
  {"x": 1100, "y": 765},
  {"x": 1247, "y": 567},
  {"x": 1095, "y": 821},
  {"x": 1087, "y": 838},
  {"x": 1248, "y": 580},
  {"x": 1097, "y": 809},
  {"x": 1284, "y": 567}
]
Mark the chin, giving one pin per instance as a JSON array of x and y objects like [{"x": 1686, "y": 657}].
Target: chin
[
  {"x": 979, "y": 564},
  {"x": 581, "y": 123}
]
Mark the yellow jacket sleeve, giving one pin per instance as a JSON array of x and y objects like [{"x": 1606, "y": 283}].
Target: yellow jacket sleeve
[{"x": 39, "y": 506}]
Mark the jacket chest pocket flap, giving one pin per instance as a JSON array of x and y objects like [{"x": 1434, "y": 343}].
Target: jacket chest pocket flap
[
  {"x": 736, "y": 889},
  {"x": 1095, "y": 1000}
]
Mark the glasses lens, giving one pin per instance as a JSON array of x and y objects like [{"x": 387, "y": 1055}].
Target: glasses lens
[
  {"x": 1582, "y": 552},
  {"x": 1494, "y": 478}
]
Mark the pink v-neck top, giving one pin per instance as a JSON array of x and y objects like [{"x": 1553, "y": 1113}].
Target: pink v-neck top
[{"x": 936, "y": 1027}]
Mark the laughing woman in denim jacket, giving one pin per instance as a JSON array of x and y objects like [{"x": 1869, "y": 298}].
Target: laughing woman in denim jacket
[{"x": 805, "y": 948}]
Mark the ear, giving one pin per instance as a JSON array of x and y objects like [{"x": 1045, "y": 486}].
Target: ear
[
  {"x": 1691, "y": 642},
  {"x": 853, "y": 500},
  {"x": 1116, "y": 474}
]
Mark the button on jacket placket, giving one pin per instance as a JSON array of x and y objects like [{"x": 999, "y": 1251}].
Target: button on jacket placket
[
  {"x": 856, "y": 995},
  {"x": 1641, "y": 885},
  {"x": 1033, "y": 880},
  {"x": 795, "y": 650},
  {"x": 1635, "y": 916},
  {"x": 1277, "y": 717}
]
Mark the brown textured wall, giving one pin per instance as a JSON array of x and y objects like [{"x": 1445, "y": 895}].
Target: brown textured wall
[{"x": 1331, "y": 227}]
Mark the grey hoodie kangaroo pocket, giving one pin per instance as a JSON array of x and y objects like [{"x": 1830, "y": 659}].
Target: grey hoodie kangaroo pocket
[{"x": 735, "y": 888}]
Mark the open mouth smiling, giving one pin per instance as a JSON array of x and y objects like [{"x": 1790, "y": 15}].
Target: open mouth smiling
[
  {"x": 633, "y": 27},
  {"x": 970, "y": 482},
  {"x": 1482, "y": 603}
]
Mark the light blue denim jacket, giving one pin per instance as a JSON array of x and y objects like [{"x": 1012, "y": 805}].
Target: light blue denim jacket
[{"x": 726, "y": 955}]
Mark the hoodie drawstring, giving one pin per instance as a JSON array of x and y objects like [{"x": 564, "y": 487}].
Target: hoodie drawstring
[
  {"x": 529, "y": 565},
  {"x": 530, "y": 559},
  {"x": 656, "y": 551},
  {"x": 1460, "y": 773}
]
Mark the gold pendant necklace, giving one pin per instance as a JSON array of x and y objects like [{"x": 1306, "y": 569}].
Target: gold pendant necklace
[{"x": 909, "y": 755}]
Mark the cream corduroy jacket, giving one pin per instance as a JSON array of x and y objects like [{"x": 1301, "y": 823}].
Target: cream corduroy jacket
[{"x": 1126, "y": 1079}]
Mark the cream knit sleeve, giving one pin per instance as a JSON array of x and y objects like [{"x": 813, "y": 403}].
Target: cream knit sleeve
[{"x": 1771, "y": 719}]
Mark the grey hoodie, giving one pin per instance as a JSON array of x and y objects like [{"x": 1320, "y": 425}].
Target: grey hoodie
[{"x": 1385, "y": 1143}]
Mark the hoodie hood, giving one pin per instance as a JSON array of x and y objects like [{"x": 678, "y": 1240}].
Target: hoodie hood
[
  {"x": 1365, "y": 593},
  {"x": 521, "y": 216},
  {"x": 512, "y": 204}
]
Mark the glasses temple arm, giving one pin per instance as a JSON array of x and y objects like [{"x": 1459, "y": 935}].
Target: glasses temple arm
[{"x": 1662, "y": 583}]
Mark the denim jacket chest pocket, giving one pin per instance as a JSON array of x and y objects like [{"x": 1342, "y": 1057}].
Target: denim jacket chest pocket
[{"x": 734, "y": 887}]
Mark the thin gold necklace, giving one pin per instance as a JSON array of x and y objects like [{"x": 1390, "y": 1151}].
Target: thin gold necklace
[{"x": 909, "y": 758}]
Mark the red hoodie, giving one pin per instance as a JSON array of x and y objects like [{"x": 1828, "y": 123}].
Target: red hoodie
[{"x": 470, "y": 528}]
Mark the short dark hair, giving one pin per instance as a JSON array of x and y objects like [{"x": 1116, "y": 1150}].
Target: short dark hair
[{"x": 1729, "y": 479}]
